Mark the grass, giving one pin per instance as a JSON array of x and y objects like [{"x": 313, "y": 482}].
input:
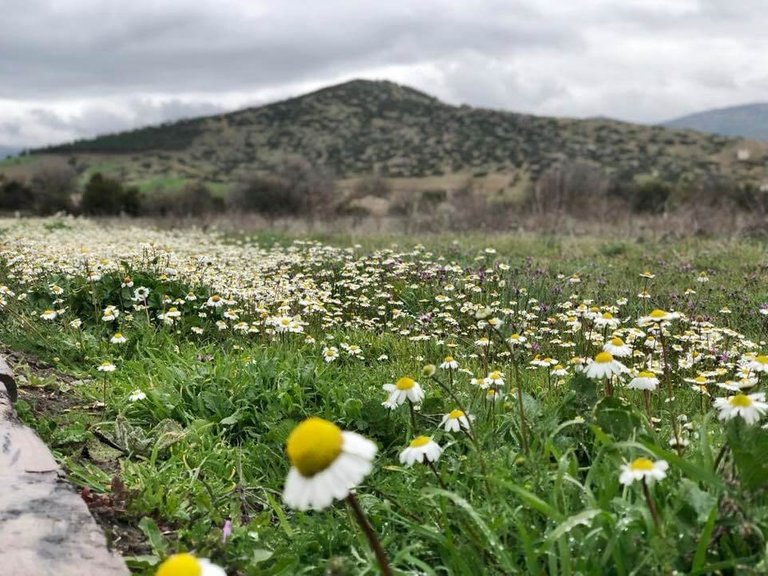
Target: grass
[{"x": 224, "y": 389}]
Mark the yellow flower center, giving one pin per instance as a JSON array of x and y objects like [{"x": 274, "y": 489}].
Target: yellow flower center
[
  {"x": 215, "y": 298},
  {"x": 448, "y": 359},
  {"x": 455, "y": 414},
  {"x": 740, "y": 401},
  {"x": 762, "y": 359},
  {"x": 420, "y": 441},
  {"x": 645, "y": 374},
  {"x": 515, "y": 337},
  {"x": 617, "y": 342},
  {"x": 180, "y": 565},
  {"x": 700, "y": 380},
  {"x": 658, "y": 314},
  {"x": 641, "y": 465},
  {"x": 604, "y": 358},
  {"x": 405, "y": 383},
  {"x": 607, "y": 316},
  {"x": 313, "y": 445},
  {"x": 494, "y": 375}
]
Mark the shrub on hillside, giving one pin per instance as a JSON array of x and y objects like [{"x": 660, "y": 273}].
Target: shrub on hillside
[
  {"x": 53, "y": 185},
  {"x": 107, "y": 197},
  {"x": 193, "y": 200}
]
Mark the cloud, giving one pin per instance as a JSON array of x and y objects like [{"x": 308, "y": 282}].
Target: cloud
[{"x": 77, "y": 68}]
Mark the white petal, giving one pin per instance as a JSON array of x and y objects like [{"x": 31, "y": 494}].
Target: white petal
[{"x": 358, "y": 445}]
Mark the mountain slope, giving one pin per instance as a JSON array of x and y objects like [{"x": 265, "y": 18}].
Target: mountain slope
[
  {"x": 366, "y": 127},
  {"x": 6, "y": 151},
  {"x": 747, "y": 121}
]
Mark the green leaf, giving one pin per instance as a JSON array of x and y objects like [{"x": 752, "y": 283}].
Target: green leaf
[
  {"x": 581, "y": 519},
  {"x": 534, "y": 501},
  {"x": 617, "y": 417},
  {"x": 704, "y": 541},
  {"x": 749, "y": 445},
  {"x": 492, "y": 543},
  {"x": 155, "y": 537}
]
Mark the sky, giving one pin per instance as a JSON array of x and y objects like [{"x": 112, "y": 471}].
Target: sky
[{"x": 76, "y": 68}]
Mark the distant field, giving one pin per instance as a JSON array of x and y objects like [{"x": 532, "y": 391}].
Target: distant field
[{"x": 180, "y": 362}]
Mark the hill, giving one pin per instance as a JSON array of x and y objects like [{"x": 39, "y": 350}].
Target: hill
[
  {"x": 376, "y": 127},
  {"x": 6, "y": 151},
  {"x": 747, "y": 121}
]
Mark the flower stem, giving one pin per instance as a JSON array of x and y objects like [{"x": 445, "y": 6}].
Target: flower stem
[
  {"x": 437, "y": 474},
  {"x": 373, "y": 540},
  {"x": 651, "y": 506},
  {"x": 521, "y": 409}
]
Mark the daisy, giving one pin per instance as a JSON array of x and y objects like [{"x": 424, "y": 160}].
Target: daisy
[
  {"x": 118, "y": 338},
  {"x": 750, "y": 407},
  {"x": 494, "y": 378},
  {"x": 617, "y": 347},
  {"x": 758, "y": 364},
  {"x": 658, "y": 316},
  {"x": 215, "y": 301},
  {"x": 606, "y": 319},
  {"x": 449, "y": 363},
  {"x": 110, "y": 313},
  {"x": 187, "y": 565},
  {"x": 516, "y": 340},
  {"x": 330, "y": 354},
  {"x": 455, "y": 420},
  {"x": 604, "y": 366},
  {"x": 420, "y": 448},
  {"x": 49, "y": 315},
  {"x": 643, "y": 469},
  {"x": 136, "y": 395},
  {"x": 106, "y": 367},
  {"x": 644, "y": 381},
  {"x": 326, "y": 464},
  {"x": 404, "y": 389}
]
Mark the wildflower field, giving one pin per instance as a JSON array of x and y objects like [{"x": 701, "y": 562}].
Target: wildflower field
[{"x": 493, "y": 405}]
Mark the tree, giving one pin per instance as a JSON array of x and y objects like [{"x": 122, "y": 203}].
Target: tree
[
  {"x": 106, "y": 197},
  {"x": 53, "y": 186}
]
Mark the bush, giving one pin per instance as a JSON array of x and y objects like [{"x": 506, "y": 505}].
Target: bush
[
  {"x": 53, "y": 186},
  {"x": 106, "y": 197},
  {"x": 193, "y": 200},
  {"x": 293, "y": 188},
  {"x": 15, "y": 195}
]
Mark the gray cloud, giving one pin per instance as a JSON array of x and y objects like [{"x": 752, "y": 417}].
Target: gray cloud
[{"x": 83, "y": 67}]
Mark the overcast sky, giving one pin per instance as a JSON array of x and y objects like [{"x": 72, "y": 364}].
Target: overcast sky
[{"x": 74, "y": 68}]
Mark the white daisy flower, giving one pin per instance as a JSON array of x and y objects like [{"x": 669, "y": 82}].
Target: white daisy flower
[
  {"x": 644, "y": 381},
  {"x": 404, "y": 389},
  {"x": 118, "y": 338},
  {"x": 449, "y": 363},
  {"x": 657, "y": 316},
  {"x": 604, "y": 366},
  {"x": 330, "y": 354},
  {"x": 327, "y": 463},
  {"x": 136, "y": 395},
  {"x": 758, "y": 364},
  {"x": 617, "y": 347},
  {"x": 106, "y": 367},
  {"x": 750, "y": 407},
  {"x": 187, "y": 565},
  {"x": 643, "y": 469},
  {"x": 516, "y": 340},
  {"x": 49, "y": 315},
  {"x": 420, "y": 448},
  {"x": 215, "y": 301},
  {"x": 494, "y": 378},
  {"x": 455, "y": 420}
]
